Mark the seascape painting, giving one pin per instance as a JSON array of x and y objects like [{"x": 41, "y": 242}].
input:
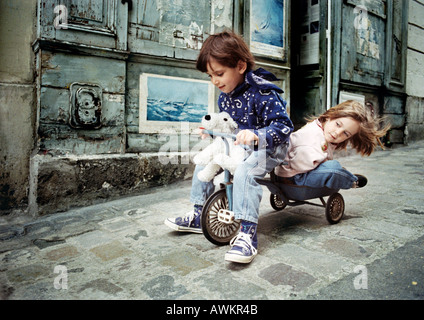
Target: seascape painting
[
  {"x": 267, "y": 28},
  {"x": 167, "y": 101}
]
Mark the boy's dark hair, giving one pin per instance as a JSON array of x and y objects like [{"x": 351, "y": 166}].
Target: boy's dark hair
[{"x": 227, "y": 48}]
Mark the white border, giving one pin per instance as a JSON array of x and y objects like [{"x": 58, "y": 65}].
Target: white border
[
  {"x": 267, "y": 50},
  {"x": 149, "y": 126}
]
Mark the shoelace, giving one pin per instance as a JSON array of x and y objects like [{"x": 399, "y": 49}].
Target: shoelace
[
  {"x": 190, "y": 216},
  {"x": 244, "y": 241}
]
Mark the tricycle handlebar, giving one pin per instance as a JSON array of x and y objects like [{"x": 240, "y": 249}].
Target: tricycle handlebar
[{"x": 219, "y": 134}]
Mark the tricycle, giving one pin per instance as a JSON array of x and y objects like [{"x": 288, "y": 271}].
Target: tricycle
[{"x": 218, "y": 223}]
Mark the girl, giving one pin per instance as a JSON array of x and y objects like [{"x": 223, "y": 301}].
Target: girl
[
  {"x": 309, "y": 158},
  {"x": 255, "y": 104}
]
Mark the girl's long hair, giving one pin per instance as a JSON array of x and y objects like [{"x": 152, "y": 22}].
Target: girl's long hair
[{"x": 371, "y": 126}]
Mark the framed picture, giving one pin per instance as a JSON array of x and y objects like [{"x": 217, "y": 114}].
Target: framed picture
[
  {"x": 268, "y": 28},
  {"x": 166, "y": 102}
]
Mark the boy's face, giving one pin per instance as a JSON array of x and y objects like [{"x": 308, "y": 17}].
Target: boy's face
[
  {"x": 225, "y": 78},
  {"x": 340, "y": 129}
]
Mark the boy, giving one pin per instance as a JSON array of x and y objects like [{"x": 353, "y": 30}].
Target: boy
[{"x": 255, "y": 104}]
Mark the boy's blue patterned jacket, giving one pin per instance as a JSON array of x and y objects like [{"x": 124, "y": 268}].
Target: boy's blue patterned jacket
[{"x": 256, "y": 104}]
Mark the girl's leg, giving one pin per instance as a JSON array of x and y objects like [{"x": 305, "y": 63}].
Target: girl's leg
[{"x": 328, "y": 174}]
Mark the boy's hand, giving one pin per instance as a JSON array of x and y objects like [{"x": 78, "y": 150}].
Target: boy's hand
[
  {"x": 246, "y": 137},
  {"x": 200, "y": 132}
]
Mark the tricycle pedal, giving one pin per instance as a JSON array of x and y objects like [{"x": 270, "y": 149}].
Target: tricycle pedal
[{"x": 226, "y": 216}]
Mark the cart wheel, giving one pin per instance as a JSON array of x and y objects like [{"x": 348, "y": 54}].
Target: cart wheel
[
  {"x": 215, "y": 231},
  {"x": 335, "y": 208},
  {"x": 276, "y": 202}
]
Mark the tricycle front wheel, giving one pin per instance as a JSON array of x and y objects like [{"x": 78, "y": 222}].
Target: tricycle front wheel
[
  {"x": 334, "y": 209},
  {"x": 217, "y": 232}
]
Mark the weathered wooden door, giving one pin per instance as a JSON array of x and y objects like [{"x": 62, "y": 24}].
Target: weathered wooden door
[
  {"x": 81, "y": 49},
  {"x": 93, "y": 23},
  {"x": 363, "y": 36},
  {"x": 174, "y": 29},
  {"x": 91, "y": 55},
  {"x": 349, "y": 48},
  {"x": 369, "y": 56},
  {"x": 164, "y": 39}
]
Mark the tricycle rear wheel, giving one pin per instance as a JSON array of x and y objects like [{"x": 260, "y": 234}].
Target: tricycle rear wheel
[
  {"x": 276, "y": 202},
  {"x": 334, "y": 209}
]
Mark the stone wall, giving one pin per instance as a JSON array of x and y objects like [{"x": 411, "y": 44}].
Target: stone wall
[
  {"x": 60, "y": 183},
  {"x": 415, "y": 75},
  {"x": 17, "y": 100}
]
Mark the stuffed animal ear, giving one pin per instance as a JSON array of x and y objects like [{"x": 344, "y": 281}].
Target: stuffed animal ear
[
  {"x": 209, "y": 121},
  {"x": 224, "y": 116},
  {"x": 229, "y": 122},
  {"x": 232, "y": 123}
]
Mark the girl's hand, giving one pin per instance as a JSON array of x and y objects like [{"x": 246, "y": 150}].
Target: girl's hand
[{"x": 246, "y": 137}]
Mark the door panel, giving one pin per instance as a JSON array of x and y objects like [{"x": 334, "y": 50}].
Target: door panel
[
  {"x": 363, "y": 56},
  {"x": 169, "y": 28},
  {"x": 99, "y": 23},
  {"x": 397, "y": 45}
]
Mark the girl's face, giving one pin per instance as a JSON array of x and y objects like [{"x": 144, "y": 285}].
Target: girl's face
[
  {"x": 340, "y": 129},
  {"x": 225, "y": 78}
]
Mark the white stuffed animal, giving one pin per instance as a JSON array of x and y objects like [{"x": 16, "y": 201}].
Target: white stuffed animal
[{"x": 213, "y": 157}]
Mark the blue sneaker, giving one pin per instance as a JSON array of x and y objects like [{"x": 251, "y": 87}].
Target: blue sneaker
[
  {"x": 189, "y": 223},
  {"x": 244, "y": 245}
]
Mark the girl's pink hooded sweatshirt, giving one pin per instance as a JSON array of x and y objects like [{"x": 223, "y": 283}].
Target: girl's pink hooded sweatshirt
[{"x": 307, "y": 150}]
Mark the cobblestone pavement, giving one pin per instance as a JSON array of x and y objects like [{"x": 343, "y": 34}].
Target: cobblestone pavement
[{"x": 122, "y": 249}]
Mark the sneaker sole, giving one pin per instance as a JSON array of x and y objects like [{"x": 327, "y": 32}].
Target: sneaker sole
[
  {"x": 176, "y": 227},
  {"x": 238, "y": 259}
]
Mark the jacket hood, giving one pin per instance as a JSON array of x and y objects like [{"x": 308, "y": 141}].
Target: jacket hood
[{"x": 260, "y": 79}]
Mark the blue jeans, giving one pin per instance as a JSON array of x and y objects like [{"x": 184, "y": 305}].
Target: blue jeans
[
  {"x": 328, "y": 174},
  {"x": 247, "y": 193}
]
